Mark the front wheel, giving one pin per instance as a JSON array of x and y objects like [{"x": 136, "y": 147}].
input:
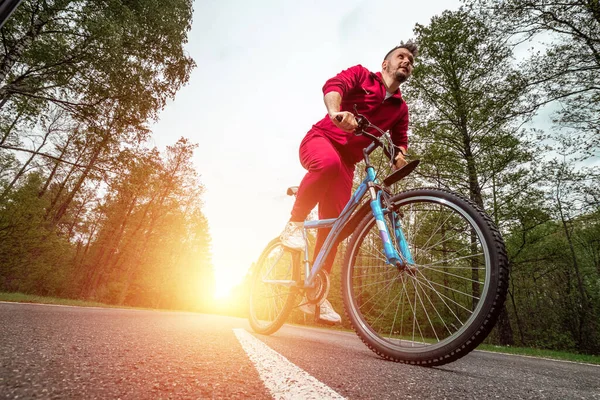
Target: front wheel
[
  {"x": 273, "y": 288},
  {"x": 447, "y": 301}
]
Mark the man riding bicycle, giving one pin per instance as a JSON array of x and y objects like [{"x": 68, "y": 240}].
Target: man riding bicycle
[{"x": 330, "y": 151}]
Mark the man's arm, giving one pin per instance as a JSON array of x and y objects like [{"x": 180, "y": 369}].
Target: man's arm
[
  {"x": 335, "y": 88},
  {"x": 400, "y": 137},
  {"x": 344, "y": 119}
]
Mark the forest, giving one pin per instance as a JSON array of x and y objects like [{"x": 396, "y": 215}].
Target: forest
[
  {"x": 88, "y": 210},
  {"x": 505, "y": 109}
]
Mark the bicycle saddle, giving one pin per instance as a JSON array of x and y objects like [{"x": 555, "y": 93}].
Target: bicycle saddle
[{"x": 292, "y": 190}]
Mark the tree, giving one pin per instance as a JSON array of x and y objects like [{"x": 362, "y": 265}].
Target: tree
[
  {"x": 468, "y": 104},
  {"x": 116, "y": 221},
  {"x": 112, "y": 65},
  {"x": 567, "y": 71},
  {"x": 152, "y": 240},
  {"x": 80, "y": 53},
  {"x": 33, "y": 259}
]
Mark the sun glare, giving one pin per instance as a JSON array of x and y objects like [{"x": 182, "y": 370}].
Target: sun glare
[
  {"x": 226, "y": 279},
  {"x": 222, "y": 288},
  {"x": 235, "y": 250}
]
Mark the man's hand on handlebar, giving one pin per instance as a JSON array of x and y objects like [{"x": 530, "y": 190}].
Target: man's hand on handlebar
[
  {"x": 344, "y": 120},
  {"x": 399, "y": 161}
]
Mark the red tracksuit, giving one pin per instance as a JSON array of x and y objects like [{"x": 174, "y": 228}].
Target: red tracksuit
[{"x": 329, "y": 154}]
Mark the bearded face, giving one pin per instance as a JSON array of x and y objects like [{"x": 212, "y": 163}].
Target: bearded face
[{"x": 399, "y": 64}]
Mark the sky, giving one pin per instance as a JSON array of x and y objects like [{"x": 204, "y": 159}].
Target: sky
[{"x": 255, "y": 93}]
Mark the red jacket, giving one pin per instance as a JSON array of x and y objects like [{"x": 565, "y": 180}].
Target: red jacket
[{"x": 357, "y": 85}]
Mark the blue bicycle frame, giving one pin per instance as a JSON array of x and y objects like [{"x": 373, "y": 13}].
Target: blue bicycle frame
[{"x": 393, "y": 258}]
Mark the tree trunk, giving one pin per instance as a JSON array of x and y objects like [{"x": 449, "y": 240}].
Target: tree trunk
[
  {"x": 57, "y": 195},
  {"x": 516, "y": 311},
  {"x": 584, "y": 309},
  {"x": 55, "y": 168},
  {"x": 24, "y": 168},
  {"x": 10, "y": 128},
  {"x": 62, "y": 209}
]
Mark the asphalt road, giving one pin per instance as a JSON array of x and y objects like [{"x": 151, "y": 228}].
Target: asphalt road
[{"x": 59, "y": 352}]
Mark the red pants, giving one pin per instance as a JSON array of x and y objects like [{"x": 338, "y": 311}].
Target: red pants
[{"x": 327, "y": 183}]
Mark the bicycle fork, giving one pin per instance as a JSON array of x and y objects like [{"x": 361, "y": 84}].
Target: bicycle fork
[{"x": 393, "y": 257}]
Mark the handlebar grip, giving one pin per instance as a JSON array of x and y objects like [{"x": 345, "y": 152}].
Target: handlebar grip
[{"x": 358, "y": 130}]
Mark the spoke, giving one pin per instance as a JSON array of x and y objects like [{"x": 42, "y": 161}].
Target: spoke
[
  {"x": 429, "y": 266},
  {"x": 386, "y": 266},
  {"x": 442, "y": 296},
  {"x": 454, "y": 275},
  {"x": 269, "y": 312},
  {"x": 374, "y": 239},
  {"x": 389, "y": 303},
  {"x": 375, "y": 283},
  {"x": 416, "y": 224},
  {"x": 436, "y": 231},
  {"x": 417, "y": 220},
  {"x": 452, "y": 289},
  {"x": 459, "y": 251},
  {"x": 425, "y": 310},
  {"x": 378, "y": 273},
  {"x": 454, "y": 259},
  {"x": 273, "y": 302},
  {"x": 273, "y": 309},
  {"x": 273, "y": 296},
  {"x": 377, "y": 293},
  {"x": 433, "y": 305},
  {"x": 443, "y": 241},
  {"x": 396, "y": 315},
  {"x": 403, "y": 279},
  {"x": 267, "y": 272},
  {"x": 415, "y": 321}
]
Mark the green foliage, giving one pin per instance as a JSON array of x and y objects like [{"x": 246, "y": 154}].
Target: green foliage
[
  {"x": 563, "y": 66},
  {"x": 547, "y": 303},
  {"x": 152, "y": 248},
  {"x": 34, "y": 258},
  {"x": 89, "y": 55},
  {"x": 468, "y": 104},
  {"x": 93, "y": 213}
]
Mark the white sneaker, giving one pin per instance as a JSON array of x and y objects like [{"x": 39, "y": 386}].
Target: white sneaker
[
  {"x": 293, "y": 236},
  {"x": 327, "y": 313}
]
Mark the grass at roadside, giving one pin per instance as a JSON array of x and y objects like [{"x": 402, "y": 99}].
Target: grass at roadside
[
  {"x": 27, "y": 298},
  {"x": 523, "y": 351},
  {"x": 553, "y": 354},
  {"x": 556, "y": 355}
]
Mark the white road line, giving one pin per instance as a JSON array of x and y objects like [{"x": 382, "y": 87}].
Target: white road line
[{"x": 282, "y": 378}]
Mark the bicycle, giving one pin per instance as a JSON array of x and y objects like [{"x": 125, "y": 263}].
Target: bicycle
[{"x": 424, "y": 275}]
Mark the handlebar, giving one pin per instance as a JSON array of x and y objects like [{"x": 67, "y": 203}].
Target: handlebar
[{"x": 389, "y": 148}]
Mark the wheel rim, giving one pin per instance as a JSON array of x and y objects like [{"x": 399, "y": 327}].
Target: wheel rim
[
  {"x": 269, "y": 300},
  {"x": 427, "y": 309}
]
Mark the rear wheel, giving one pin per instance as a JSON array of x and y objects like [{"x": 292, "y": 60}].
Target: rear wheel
[
  {"x": 446, "y": 302},
  {"x": 272, "y": 295}
]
